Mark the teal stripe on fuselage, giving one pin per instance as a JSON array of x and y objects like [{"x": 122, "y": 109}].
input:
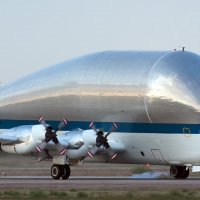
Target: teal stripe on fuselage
[{"x": 122, "y": 126}]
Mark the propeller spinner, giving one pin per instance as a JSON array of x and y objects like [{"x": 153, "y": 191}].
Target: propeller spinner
[
  {"x": 51, "y": 135},
  {"x": 102, "y": 140}
]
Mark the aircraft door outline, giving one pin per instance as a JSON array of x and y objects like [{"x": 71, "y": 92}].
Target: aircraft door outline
[{"x": 158, "y": 156}]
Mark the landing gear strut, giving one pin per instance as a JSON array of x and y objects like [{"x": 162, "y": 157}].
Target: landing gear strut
[
  {"x": 58, "y": 171},
  {"x": 181, "y": 172}
]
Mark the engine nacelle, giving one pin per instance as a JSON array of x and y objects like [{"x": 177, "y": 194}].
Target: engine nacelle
[
  {"x": 38, "y": 133},
  {"x": 89, "y": 138},
  {"x": 82, "y": 140},
  {"x": 23, "y": 139}
]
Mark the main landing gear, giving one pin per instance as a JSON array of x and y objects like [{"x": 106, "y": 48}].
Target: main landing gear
[
  {"x": 179, "y": 172},
  {"x": 58, "y": 171}
]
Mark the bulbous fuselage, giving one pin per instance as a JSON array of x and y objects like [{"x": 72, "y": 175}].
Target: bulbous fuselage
[{"x": 120, "y": 86}]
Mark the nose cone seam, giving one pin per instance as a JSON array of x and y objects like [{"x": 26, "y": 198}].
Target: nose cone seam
[{"x": 145, "y": 103}]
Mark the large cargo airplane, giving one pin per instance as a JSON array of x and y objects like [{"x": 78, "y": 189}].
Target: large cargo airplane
[{"x": 150, "y": 99}]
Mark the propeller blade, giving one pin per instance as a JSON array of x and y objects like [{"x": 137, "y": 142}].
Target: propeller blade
[
  {"x": 91, "y": 125},
  {"x": 62, "y": 150},
  {"x": 62, "y": 123},
  {"x": 42, "y": 121},
  {"x": 111, "y": 153},
  {"x": 113, "y": 128},
  {"x": 41, "y": 146},
  {"x": 93, "y": 151}
]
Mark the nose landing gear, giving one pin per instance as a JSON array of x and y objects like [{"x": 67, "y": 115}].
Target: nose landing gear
[
  {"x": 179, "y": 172},
  {"x": 58, "y": 171}
]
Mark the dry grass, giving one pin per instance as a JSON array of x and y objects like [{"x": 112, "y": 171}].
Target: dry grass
[{"x": 102, "y": 193}]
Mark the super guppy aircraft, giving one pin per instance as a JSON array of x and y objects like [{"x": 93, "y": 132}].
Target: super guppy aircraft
[{"x": 152, "y": 96}]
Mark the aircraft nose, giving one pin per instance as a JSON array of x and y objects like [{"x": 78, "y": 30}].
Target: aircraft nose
[{"x": 173, "y": 89}]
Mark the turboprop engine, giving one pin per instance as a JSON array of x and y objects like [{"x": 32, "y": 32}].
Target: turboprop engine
[
  {"x": 51, "y": 135},
  {"x": 75, "y": 145},
  {"x": 22, "y": 139},
  {"x": 95, "y": 142}
]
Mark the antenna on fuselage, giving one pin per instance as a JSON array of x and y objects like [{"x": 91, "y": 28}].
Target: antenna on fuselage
[{"x": 183, "y": 48}]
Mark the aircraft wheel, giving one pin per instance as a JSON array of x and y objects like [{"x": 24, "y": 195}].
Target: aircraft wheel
[
  {"x": 56, "y": 171},
  {"x": 185, "y": 173},
  {"x": 176, "y": 171},
  {"x": 65, "y": 171}
]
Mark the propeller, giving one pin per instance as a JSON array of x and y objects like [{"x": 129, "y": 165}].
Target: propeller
[
  {"x": 102, "y": 140},
  {"x": 51, "y": 135}
]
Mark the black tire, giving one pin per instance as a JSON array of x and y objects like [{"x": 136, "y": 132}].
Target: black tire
[
  {"x": 176, "y": 171},
  {"x": 56, "y": 171},
  {"x": 185, "y": 173},
  {"x": 65, "y": 171}
]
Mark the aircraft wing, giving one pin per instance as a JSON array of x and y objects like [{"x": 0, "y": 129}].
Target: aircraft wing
[{"x": 6, "y": 139}]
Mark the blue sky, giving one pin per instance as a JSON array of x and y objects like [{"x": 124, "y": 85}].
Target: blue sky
[{"x": 38, "y": 33}]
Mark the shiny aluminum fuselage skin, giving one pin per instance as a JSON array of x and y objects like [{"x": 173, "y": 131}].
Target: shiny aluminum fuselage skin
[
  {"x": 154, "y": 97},
  {"x": 125, "y": 86}
]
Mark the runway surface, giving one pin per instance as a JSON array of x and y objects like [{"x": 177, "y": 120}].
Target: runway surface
[{"x": 94, "y": 182}]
